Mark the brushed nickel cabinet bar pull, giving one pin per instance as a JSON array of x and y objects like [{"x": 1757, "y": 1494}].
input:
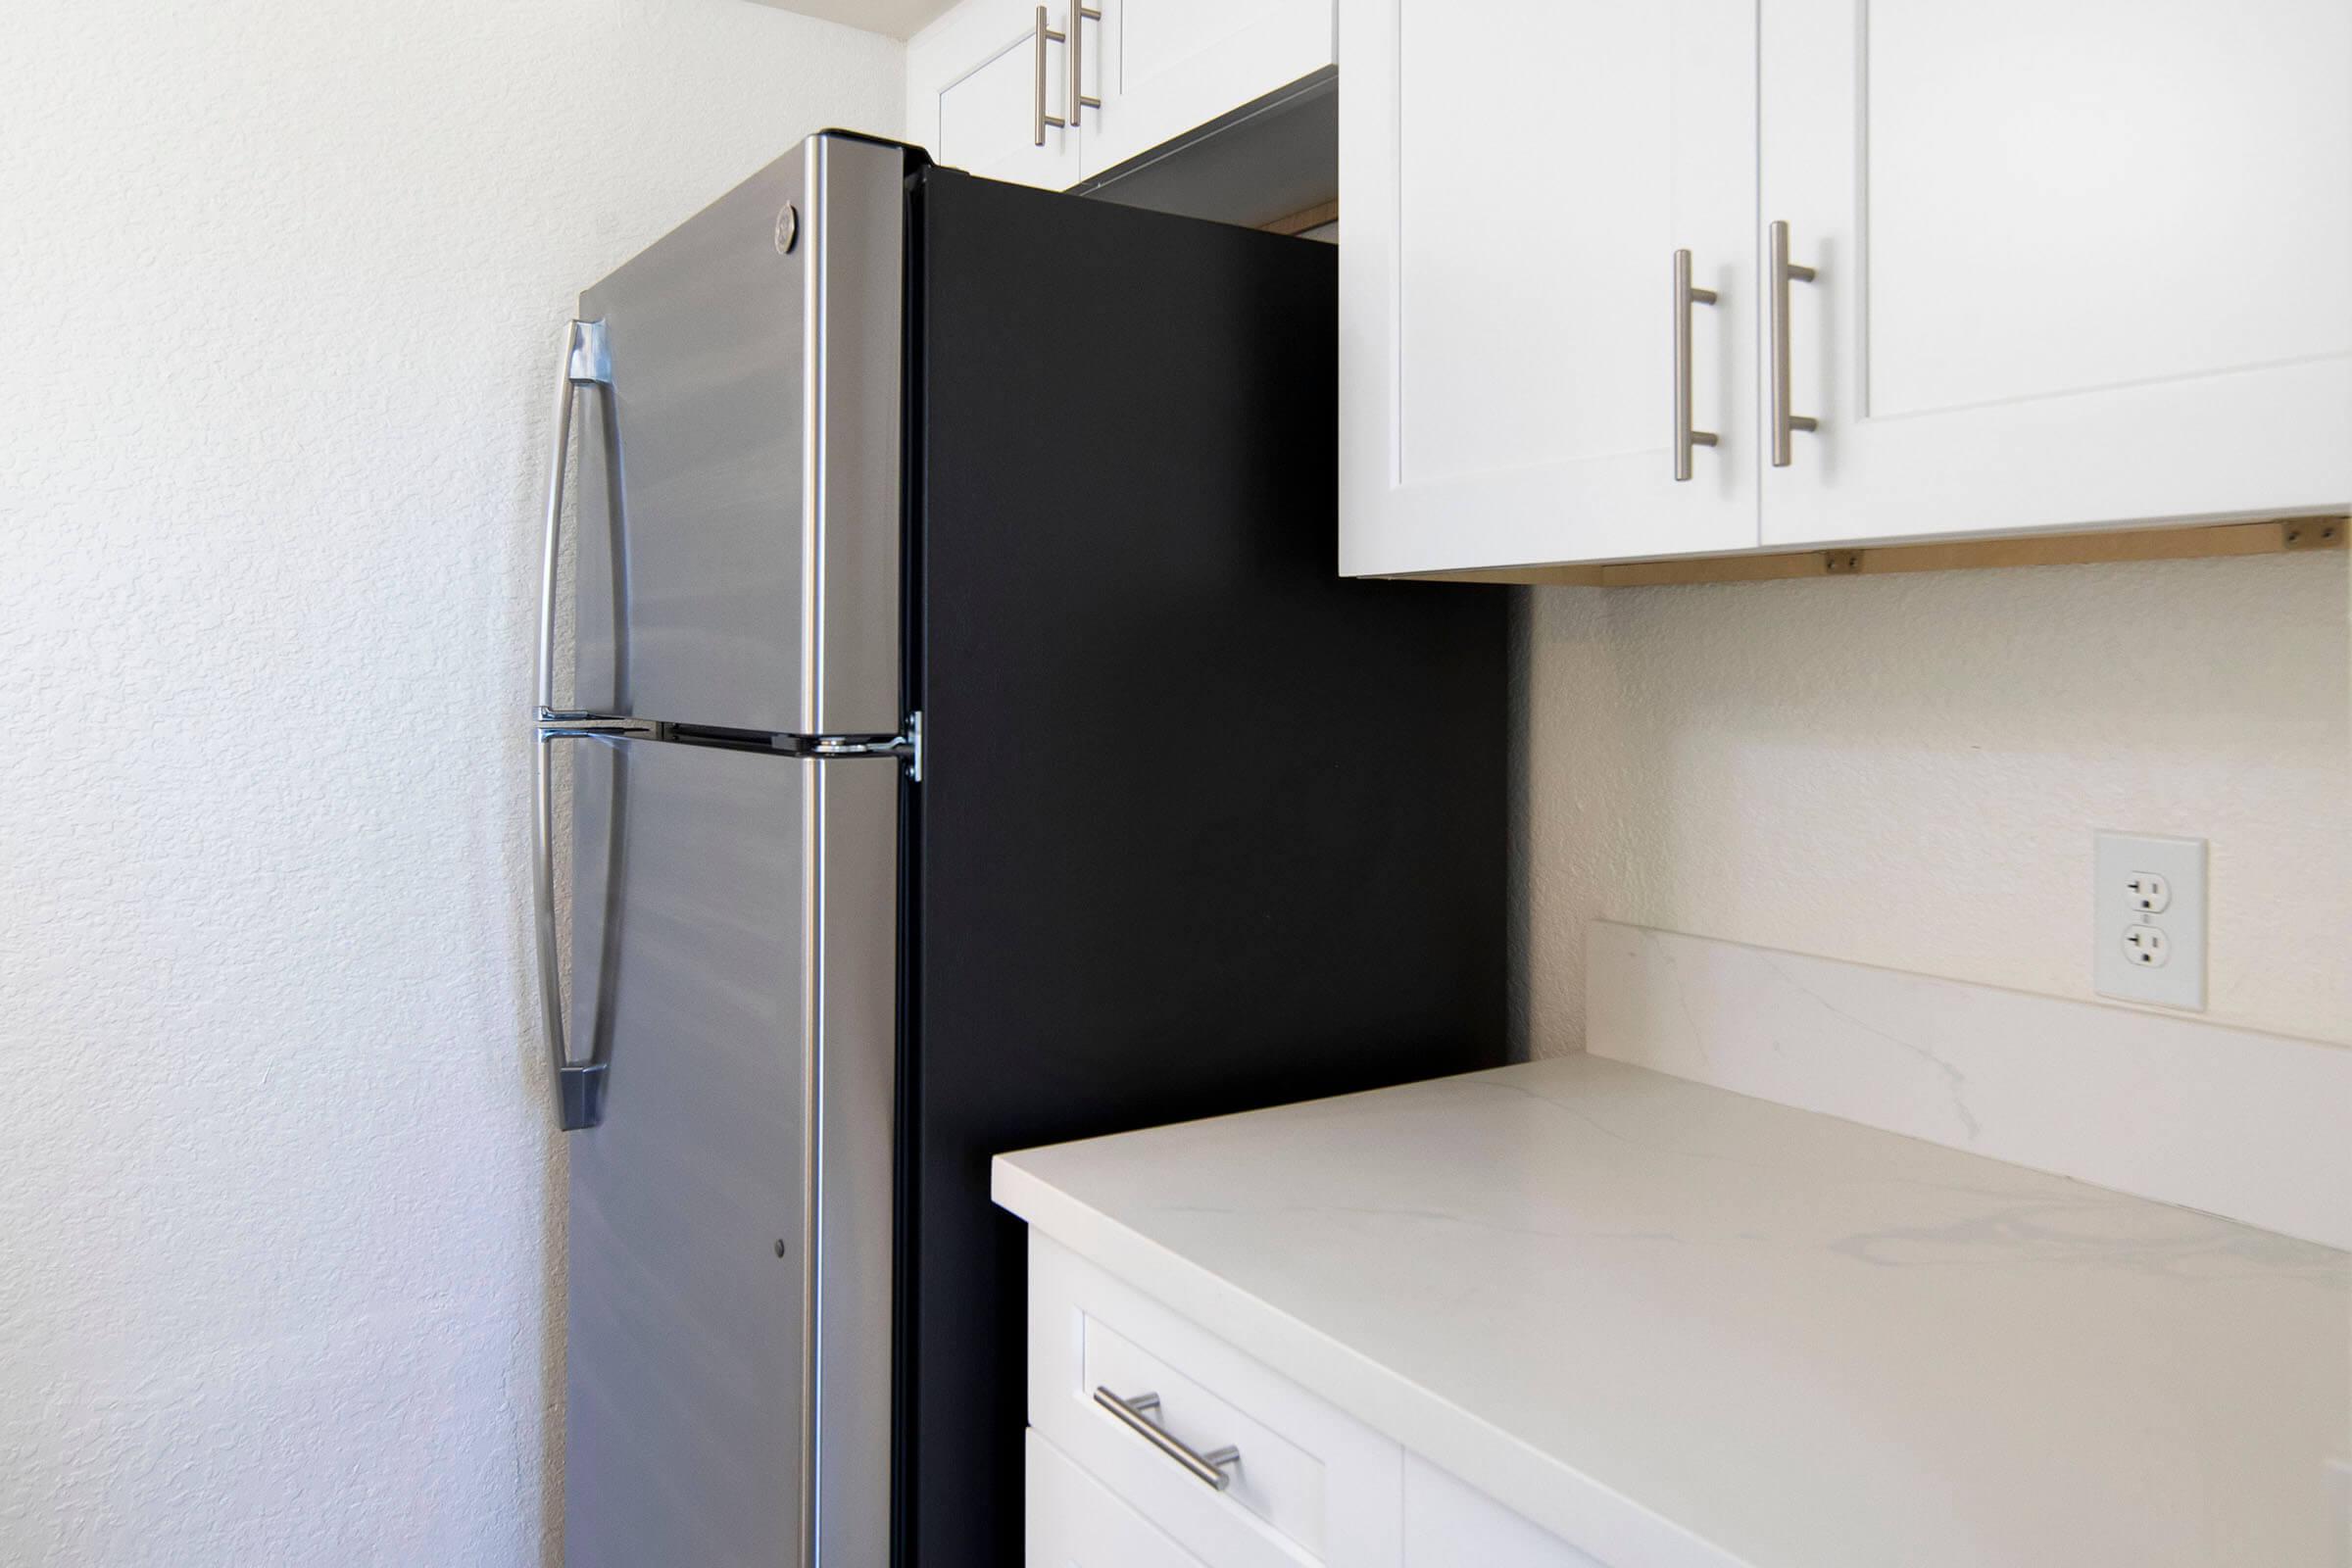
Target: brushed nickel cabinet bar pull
[
  {"x": 1207, "y": 1468},
  {"x": 1686, "y": 296},
  {"x": 1080, "y": 15},
  {"x": 1044, "y": 36},
  {"x": 1782, "y": 272}
]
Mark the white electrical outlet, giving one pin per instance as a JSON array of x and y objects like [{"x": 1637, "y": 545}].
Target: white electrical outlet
[{"x": 2149, "y": 920}]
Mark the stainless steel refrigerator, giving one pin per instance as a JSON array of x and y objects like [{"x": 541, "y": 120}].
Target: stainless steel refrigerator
[{"x": 971, "y": 747}]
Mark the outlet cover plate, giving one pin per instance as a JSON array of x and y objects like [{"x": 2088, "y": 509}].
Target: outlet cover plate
[{"x": 2180, "y": 981}]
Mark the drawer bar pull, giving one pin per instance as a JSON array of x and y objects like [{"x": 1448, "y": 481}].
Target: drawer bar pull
[{"x": 1207, "y": 1468}]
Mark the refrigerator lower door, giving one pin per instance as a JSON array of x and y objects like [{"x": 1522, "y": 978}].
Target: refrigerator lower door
[{"x": 733, "y": 941}]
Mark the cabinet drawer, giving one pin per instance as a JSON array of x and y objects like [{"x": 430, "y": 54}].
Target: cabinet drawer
[
  {"x": 1075, "y": 1523},
  {"x": 1310, "y": 1485}
]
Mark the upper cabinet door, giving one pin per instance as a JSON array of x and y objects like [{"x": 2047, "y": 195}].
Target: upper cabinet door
[
  {"x": 1055, "y": 96},
  {"x": 1169, "y": 66},
  {"x": 2075, "y": 265},
  {"x": 988, "y": 89},
  {"x": 1515, "y": 180}
]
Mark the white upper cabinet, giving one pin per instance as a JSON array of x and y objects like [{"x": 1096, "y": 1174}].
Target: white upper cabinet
[
  {"x": 2074, "y": 266},
  {"x": 1514, "y": 183},
  {"x": 989, "y": 86},
  {"x": 1174, "y": 65},
  {"x": 2079, "y": 264}
]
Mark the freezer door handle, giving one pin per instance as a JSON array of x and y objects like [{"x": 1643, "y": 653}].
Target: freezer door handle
[
  {"x": 579, "y": 1085},
  {"x": 587, "y": 362}
]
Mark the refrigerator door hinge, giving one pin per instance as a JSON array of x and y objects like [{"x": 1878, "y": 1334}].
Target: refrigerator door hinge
[
  {"x": 567, "y": 724},
  {"x": 590, "y": 362},
  {"x": 907, "y": 746},
  {"x": 562, "y": 724}
]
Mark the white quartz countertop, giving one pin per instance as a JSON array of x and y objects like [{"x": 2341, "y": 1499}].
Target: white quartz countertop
[{"x": 1676, "y": 1325}]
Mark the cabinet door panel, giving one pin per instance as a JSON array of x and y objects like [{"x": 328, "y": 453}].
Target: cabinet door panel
[
  {"x": 1513, "y": 194},
  {"x": 2080, "y": 265},
  {"x": 971, "y": 91},
  {"x": 1172, "y": 65}
]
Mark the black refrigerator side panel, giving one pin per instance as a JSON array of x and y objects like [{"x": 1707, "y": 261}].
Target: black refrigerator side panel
[{"x": 1202, "y": 827}]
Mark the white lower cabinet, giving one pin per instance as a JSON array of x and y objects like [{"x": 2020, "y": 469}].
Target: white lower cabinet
[
  {"x": 1303, "y": 1483},
  {"x": 1074, "y": 1522},
  {"x": 1448, "y": 1524}
]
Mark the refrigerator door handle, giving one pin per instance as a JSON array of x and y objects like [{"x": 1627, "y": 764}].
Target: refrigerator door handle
[
  {"x": 579, "y": 1085},
  {"x": 587, "y": 362}
]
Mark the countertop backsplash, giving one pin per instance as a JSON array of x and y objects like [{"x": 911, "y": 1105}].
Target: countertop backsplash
[
  {"x": 2165, "y": 1105},
  {"x": 1908, "y": 771}
]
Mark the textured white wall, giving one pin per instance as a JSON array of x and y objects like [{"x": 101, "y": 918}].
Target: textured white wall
[
  {"x": 1906, "y": 771},
  {"x": 280, "y": 283}
]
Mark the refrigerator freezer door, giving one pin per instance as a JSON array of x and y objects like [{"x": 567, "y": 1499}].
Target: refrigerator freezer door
[{"x": 739, "y": 494}]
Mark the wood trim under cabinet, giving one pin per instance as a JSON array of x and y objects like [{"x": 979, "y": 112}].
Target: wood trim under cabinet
[
  {"x": 1298, "y": 222},
  {"x": 2277, "y": 537}
]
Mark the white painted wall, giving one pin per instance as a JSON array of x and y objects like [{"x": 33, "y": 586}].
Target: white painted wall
[
  {"x": 1906, "y": 771},
  {"x": 280, "y": 283}
]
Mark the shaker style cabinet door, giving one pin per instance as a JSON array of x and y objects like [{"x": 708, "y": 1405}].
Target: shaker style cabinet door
[
  {"x": 1169, "y": 66},
  {"x": 2074, "y": 265},
  {"x": 1515, "y": 182},
  {"x": 984, "y": 92},
  {"x": 990, "y": 87}
]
